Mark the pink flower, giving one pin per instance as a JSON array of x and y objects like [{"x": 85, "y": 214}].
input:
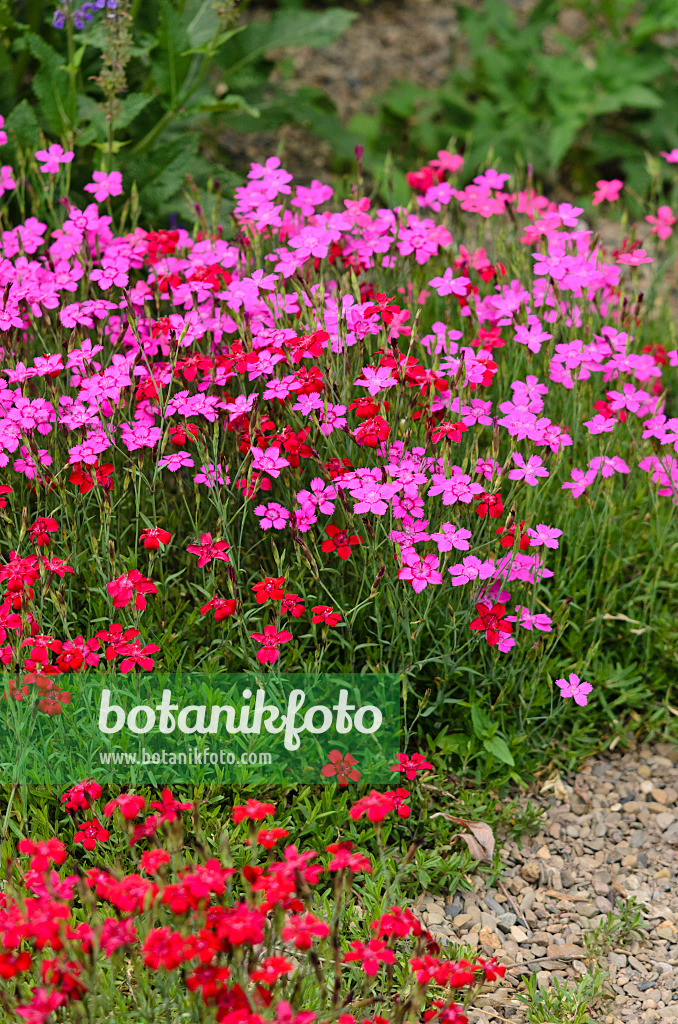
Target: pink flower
[
  {"x": 634, "y": 259},
  {"x": 105, "y": 185},
  {"x": 527, "y": 471},
  {"x": 268, "y": 460},
  {"x": 7, "y": 182},
  {"x": 420, "y": 571},
  {"x": 52, "y": 157},
  {"x": 542, "y": 534},
  {"x": 672, "y": 157},
  {"x": 607, "y": 191},
  {"x": 573, "y": 688},
  {"x": 662, "y": 222},
  {"x": 272, "y": 516}
]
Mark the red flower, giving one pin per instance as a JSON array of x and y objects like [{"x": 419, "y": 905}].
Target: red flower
[
  {"x": 206, "y": 550},
  {"x": 41, "y": 529},
  {"x": 371, "y": 432},
  {"x": 152, "y": 860},
  {"x": 153, "y": 537},
  {"x": 341, "y": 765},
  {"x": 399, "y": 796},
  {"x": 491, "y": 620},
  {"x": 78, "y": 797},
  {"x": 345, "y": 859},
  {"x": 271, "y": 587},
  {"x": 166, "y": 948},
  {"x": 134, "y": 654},
  {"x": 411, "y": 765},
  {"x": 270, "y": 640},
  {"x": 491, "y": 503},
  {"x": 181, "y": 434},
  {"x": 56, "y": 565},
  {"x": 507, "y": 541},
  {"x": 253, "y": 810},
  {"x": 222, "y": 607},
  {"x": 324, "y": 614},
  {"x": 452, "y": 431},
  {"x": 131, "y": 584},
  {"x": 268, "y": 837},
  {"x": 82, "y": 477},
  {"x": 383, "y": 308},
  {"x": 90, "y": 833},
  {"x": 129, "y": 803},
  {"x": 272, "y": 968},
  {"x": 292, "y": 604},
  {"x": 301, "y": 929},
  {"x": 375, "y": 805},
  {"x": 51, "y": 704},
  {"x": 398, "y": 922},
  {"x": 43, "y": 852},
  {"x": 338, "y": 467},
  {"x": 4, "y": 489},
  {"x": 169, "y": 806},
  {"x": 370, "y": 955},
  {"x": 11, "y": 965},
  {"x": 339, "y": 541},
  {"x": 42, "y": 1005}
]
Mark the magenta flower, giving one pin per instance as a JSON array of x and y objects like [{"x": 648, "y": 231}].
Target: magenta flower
[
  {"x": 268, "y": 460},
  {"x": 105, "y": 185},
  {"x": 411, "y": 765},
  {"x": 270, "y": 640},
  {"x": 672, "y": 157},
  {"x": 662, "y": 223},
  {"x": 420, "y": 571},
  {"x": 607, "y": 191},
  {"x": 206, "y": 550},
  {"x": 52, "y": 157},
  {"x": 634, "y": 259},
  {"x": 573, "y": 688}
]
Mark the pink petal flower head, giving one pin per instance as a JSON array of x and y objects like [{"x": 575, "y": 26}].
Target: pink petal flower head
[
  {"x": 634, "y": 259},
  {"x": 571, "y": 687},
  {"x": 607, "y": 191},
  {"x": 672, "y": 157},
  {"x": 52, "y": 157}
]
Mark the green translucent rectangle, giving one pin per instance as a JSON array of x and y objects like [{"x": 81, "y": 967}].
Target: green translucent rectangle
[{"x": 160, "y": 728}]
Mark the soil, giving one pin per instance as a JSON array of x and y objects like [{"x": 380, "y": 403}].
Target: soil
[{"x": 609, "y": 833}]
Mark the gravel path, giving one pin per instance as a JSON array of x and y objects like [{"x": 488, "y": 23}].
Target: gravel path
[{"x": 610, "y": 831}]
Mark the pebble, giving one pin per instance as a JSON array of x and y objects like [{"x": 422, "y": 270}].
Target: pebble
[{"x": 618, "y": 839}]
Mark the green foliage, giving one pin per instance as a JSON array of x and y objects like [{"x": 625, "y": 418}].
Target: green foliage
[
  {"x": 178, "y": 72},
  {"x": 563, "y": 1002},
  {"x": 618, "y": 929},
  {"x": 577, "y": 111}
]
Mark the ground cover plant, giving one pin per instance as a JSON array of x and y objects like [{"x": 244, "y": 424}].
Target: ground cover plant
[
  {"x": 343, "y": 440},
  {"x": 244, "y": 926},
  {"x": 436, "y": 440}
]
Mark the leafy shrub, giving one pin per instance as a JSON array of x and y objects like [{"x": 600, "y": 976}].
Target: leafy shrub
[
  {"x": 590, "y": 107},
  {"x": 247, "y": 927},
  {"x": 349, "y": 383},
  {"x": 145, "y": 84}
]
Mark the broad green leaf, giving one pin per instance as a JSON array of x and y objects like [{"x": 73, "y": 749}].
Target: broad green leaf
[
  {"x": 23, "y": 123},
  {"x": 499, "y": 749}
]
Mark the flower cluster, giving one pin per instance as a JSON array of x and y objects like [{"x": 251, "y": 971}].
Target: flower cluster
[{"x": 252, "y": 941}]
